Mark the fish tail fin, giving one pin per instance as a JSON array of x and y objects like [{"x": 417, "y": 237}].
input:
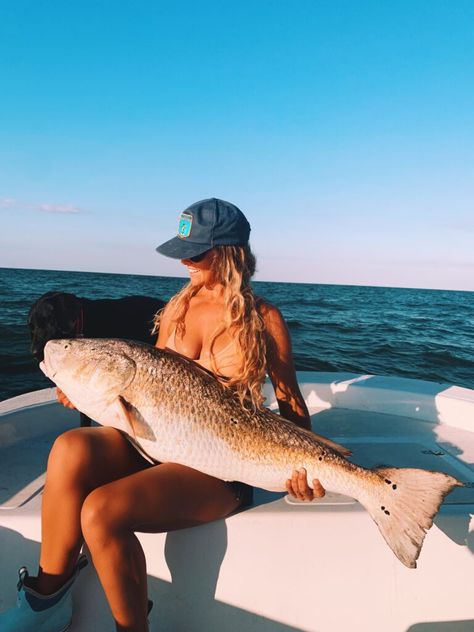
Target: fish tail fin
[{"x": 404, "y": 505}]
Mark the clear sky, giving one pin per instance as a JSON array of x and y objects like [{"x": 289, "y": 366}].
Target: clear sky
[{"x": 344, "y": 129}]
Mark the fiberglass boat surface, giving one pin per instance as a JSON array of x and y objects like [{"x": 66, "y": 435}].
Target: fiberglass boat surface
[{"x": 278, "y": 565}]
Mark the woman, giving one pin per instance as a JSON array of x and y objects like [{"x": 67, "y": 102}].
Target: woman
[{"x": 106, "y": 489}]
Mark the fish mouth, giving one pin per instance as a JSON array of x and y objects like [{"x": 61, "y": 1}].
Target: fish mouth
[{"x": 44, "y": 368}]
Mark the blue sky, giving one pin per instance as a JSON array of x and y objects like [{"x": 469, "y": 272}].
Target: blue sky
[{"x": 343, "y": 129}]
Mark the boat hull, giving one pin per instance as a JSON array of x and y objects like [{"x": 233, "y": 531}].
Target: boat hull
[{"x": 280, "y": 565}]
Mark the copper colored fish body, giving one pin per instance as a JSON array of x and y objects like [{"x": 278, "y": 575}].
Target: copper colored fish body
[{"x": 177, "y": 412}]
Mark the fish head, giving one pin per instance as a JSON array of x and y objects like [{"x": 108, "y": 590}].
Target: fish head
[{"x": 93, "y": 373}]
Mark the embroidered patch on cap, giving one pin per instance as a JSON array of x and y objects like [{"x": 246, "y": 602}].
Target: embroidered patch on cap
[{"x": 185, "y": 223}]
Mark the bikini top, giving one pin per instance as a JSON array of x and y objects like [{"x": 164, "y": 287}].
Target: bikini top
[{"x": 224, "y": 359}]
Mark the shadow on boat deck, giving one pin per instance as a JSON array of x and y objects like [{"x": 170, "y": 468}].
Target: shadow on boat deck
[{"x": 187, "y": 603}]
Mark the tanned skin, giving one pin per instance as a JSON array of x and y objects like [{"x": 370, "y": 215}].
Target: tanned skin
[{"x": 107, "y": 491}]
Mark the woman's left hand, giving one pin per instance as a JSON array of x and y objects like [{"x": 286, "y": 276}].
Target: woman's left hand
[{"x": 298, "y": 487}]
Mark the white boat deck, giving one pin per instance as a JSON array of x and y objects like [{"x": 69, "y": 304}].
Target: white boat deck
[{"x": 278, "y": 566}]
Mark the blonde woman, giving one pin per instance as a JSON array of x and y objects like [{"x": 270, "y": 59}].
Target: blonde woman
[{"x": 106, "y": 489}]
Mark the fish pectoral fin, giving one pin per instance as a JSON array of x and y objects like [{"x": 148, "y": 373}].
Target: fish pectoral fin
[
  {"x": 117, "y": 416},
  {"x": 337, "y": 447},
  {"x": 126, "y": 414},
  {"x": 140, "y": 427}
]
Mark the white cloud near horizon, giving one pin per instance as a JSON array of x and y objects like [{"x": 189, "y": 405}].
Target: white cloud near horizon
[{"x": 13, "y": 204}]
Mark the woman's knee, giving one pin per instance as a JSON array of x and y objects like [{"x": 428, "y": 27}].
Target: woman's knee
[
  {"x": 72, "y": 452},
  {"x": 103, "y": 515}
]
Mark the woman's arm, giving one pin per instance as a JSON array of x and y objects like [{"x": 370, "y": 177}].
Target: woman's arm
[{"x": 281, "y": 369}]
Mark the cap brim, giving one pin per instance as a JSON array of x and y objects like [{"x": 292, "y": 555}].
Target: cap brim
[{"x": 178, "y": 248}]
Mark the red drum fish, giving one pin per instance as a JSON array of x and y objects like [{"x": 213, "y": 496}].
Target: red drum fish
[{"x": 177, "y": 412}]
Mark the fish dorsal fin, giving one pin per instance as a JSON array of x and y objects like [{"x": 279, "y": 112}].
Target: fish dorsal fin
[
  {"x": 337, "y": 447},
  {"x": 192, "y": 364}
]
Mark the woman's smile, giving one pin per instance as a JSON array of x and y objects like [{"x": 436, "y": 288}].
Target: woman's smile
[
  {"x": 200, "y": 271},
  {"x": 192, "y": 269}
]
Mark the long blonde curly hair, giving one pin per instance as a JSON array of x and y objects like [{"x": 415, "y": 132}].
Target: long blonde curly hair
[{"x": 233, "y": 267}]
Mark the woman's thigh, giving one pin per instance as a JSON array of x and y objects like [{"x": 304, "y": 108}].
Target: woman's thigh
[
  {"x": 93, "y": 457},
  {"x": 161, "y": 498}
]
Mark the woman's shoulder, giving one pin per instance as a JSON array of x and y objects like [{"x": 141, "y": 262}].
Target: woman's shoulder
[
  {"x": 165, "y": 325},
  {"x": 167, "y": 313},
  {"x": 271, "y": 316},
  {"x": 267, "y": 309}
]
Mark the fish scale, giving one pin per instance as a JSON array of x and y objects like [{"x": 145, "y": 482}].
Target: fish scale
[{"x": 175, "y": 411}]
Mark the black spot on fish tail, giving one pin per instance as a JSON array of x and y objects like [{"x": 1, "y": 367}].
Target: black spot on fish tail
[
  {"x": 394, "y": 486},
  {"x": 388, "y": 482}
]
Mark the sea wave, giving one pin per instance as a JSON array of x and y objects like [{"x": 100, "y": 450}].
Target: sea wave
[
  {"x": 447, "y": 358},
  {"x": 425, "y": 334}
]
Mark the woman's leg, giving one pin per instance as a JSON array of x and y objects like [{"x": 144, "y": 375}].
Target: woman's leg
[
  {"x": 80, "y": 460},
  {"x": 158, "y": 499}
]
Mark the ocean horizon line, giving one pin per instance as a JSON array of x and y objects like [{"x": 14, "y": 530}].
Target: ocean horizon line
[{"x": 166, "y": 276}]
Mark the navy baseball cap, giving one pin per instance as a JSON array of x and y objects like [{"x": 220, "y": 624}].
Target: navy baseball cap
[{"x": 206, "y": 224}]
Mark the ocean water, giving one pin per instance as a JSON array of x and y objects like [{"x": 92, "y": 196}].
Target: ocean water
[{"x": 426, "y": 334}]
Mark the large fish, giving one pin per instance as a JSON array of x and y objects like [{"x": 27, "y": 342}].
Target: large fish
[{"x": 177, "y": 412}]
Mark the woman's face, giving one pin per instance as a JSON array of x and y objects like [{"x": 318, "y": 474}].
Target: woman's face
[{"x": 200, "y": 272}]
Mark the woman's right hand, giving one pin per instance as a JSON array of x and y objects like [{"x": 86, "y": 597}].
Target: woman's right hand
[
  {"x": 297, "y": 486},
  {"x": 62, "y": 399}
]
